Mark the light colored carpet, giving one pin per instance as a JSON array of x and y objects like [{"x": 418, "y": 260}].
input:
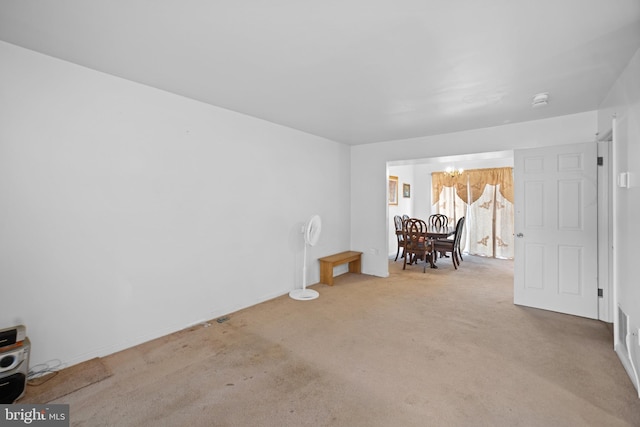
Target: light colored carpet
[
  {"x": 441, "y": 348},
  {"x": 52, "y": 386}
]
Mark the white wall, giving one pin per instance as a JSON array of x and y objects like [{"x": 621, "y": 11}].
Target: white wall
[
  {"x": 369, "y": 170},
  {"x": 624, "y": 101},
  {"x": 128, "y": 212},
  {"x": 405, "y": 204}
]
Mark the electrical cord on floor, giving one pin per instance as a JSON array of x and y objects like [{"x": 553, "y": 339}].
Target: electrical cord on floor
[{"x": 40, "y": 374}]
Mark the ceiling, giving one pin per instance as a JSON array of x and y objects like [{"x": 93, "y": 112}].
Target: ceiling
[{"x": 353, "y": 71}]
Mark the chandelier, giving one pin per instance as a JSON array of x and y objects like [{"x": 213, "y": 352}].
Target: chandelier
[{"x": 453, "y": 172}]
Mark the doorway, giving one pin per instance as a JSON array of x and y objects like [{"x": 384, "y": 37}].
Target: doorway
[{"x": 417, "y": 173}]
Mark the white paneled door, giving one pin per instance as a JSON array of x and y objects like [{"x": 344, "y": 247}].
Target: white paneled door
[{"x": 555, "y": 265}]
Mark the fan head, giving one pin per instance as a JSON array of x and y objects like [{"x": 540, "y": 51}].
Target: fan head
[{"x": 312, "y": 230}]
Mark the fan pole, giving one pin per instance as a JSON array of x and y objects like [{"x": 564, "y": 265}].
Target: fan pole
[{"x": 304, "y": 294}]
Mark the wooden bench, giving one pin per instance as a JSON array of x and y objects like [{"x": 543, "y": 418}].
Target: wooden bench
[{"x": 327, "y": 263}]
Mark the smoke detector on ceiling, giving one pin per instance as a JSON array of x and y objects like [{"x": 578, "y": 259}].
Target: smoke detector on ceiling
[{"x": 540, "y": 100}]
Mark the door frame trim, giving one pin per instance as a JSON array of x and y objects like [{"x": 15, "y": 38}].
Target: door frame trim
[{"x": 605, "y": 232}]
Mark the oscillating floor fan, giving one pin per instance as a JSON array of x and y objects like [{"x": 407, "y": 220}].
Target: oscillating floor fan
[{"x": 311, "y": 236}]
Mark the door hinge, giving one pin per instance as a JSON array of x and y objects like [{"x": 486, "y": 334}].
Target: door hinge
[
  {"x": 600, "y": 292},
  {"x": 600, "y": 161}
]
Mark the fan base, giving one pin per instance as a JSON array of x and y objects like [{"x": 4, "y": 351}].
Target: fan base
[{"x": 303, "y": 294}]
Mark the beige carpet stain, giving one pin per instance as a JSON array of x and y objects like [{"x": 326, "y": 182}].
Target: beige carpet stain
[{"x": 54, "y": 385}]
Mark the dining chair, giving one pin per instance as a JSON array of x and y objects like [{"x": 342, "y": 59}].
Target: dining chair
[
  {"x": 397, "y": 220},
  {"x": 439, "y": 220},
  {"x": 451, "y": 245},
  {"x": 418, "y": 245}
]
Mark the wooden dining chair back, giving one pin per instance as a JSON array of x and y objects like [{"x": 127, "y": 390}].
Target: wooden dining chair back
[
  {"x": 439, "y": 220},
  {"x": 458, "y": 238},
  {"x": 397, "y": 220},
  {"x": 452, "y": 246},
  {"x": 418, "y": 246}
]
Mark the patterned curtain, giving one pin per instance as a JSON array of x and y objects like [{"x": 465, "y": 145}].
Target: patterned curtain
[{"x": 485, "y": 197}]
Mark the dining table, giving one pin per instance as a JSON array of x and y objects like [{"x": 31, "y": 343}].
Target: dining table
[{"x": 434, "y": 232}]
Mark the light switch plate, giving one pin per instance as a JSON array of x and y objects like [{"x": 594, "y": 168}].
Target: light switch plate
[{"x": 623, "y": 180}]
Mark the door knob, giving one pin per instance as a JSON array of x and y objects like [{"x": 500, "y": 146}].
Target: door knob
[{"x": 520, "y": 235}]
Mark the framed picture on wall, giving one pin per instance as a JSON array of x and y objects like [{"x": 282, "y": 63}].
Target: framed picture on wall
[
  {"x": 393, "y": 190},
  {"x": 406, "y": 190}
]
